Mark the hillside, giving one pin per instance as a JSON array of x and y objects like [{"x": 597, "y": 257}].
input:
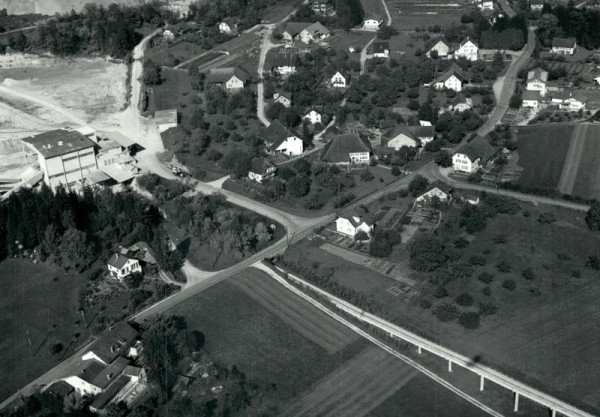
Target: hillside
[{"x": 50, "y": 7}]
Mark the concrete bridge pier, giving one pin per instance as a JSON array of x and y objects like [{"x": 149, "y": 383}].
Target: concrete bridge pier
[
  {"x": 419, "y": 350},
  {"x": 481, "y": 382},
  {"x": 553, "y": 413},
  {"x": 449, "y": 366},
  {"x": 516, "y": 402}
]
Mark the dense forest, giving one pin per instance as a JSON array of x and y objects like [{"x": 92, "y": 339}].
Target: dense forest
[
  {"x": 562, "y": 21},
  {"x": 74, "y": 230}
]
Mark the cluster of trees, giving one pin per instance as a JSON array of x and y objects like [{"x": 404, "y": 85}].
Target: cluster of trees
[
  {"x": 161, "y": 188},
  {"x": 17, "y": 21},
  {"x": 504, "y": 33},
  {"x": 245, "y": 12},
  {"x": 474, "y": 218},
  {"x": 349, "y": 13},
  {"x": 567, "y": 21},
  {"x": 108, "y": 31},
  {"x": 220, "y": 102}
]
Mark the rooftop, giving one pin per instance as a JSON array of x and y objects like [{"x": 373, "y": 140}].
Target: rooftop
[
  {"x": 537, "y": 74},
  {"x": 165, "y": 116},
  {"x": 260, "y": 166},
  {"x": 380, "y": 47},
  {"x": 110, "y": 373},
  {"x": 222, "y": 75},
  {"x": 113, "y": 342},
  {"x": 564, "y": 43},
  {"x": 341, "y": 146},
  {"x": 59, "y": 142},
  {"x": 531, "y": 95},
  {"x": 479, "y": 147},
  {"x": 277, "y": 133}
]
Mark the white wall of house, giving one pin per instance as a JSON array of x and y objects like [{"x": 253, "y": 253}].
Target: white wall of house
[
  {"x": 562, "y": 50},
  {"x": 452, "y": 83},
  {"x": 234, "y": 83},
  {"x": 132, "y": 266},
  {"x": 428, "y": 196},
  {"x": 224, "y": 28},
  {"x": 469, "y": 51},
  {"x": 286, "y": 70},
  {"x": 462, "y": 163},
  {"x": 69, "y": 168},
  {"x": 425, "y": 139},
  {"x": 537, "y": 85},
  {"x": 441, "y": 48},
  {"x": 573, "y": 104},
  {"x": 82, "y": 387},
  {"x": 338, "y": 80},
  {"x": 461, "y": 107},
  {"x": 360, "y": 157},
  {"x": 371, "y": 24},
  {"x": 313, "y": 117},
  {"x": 261, "y": 177},
  {"x": 344, "y": 226},
  {"x": 532, "y": 104},
  {"x": 291, "y": 146},
  {"x": 286, "y": 102}
]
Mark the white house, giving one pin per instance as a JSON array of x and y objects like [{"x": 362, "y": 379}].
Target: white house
[
  {"x": 232, "y": 78},
  {"x": 313, "y": 117},
  {"x": 279, "y": 139},
  {"x": 531, "y": 99},
  {"x": 338, "y": 80},
  {"x": 352, "y": 224},
  {"x": 168, "y": 36},
  {"x": 121, "y": 266},
  {"x": 322, "y": 7},
  {"x": 437, "y": 189},
  {"x": 536, "y": 5},
  {"x": 442, "y": 49},
  {"x": 313, "y": 33},
  {"x": 486, "y": 5},
  {"x": 66, "y": 157},
  {"x": 165, "y": 119},
  {"x": 467, "y": 49},
  {"x": 371, "y": 24},
  {"x": 224, "y": 27},
  {"x": 284, "y": 62},
  {"x": 284, "y": 98},
  {"x": 347, "y": 149},
  {"x": 381, "y": 50},
  {"x": 261, "y": 170},
  {"x": 452, "y": 79},
  {"x": 425, "y": 133},
  {"x": 564, "y": 46},
  {"x": 574, "y": 103},
  {"x": 474, "y": 156},
  {"x": 537, "y": 80},
  {"x": 461, "y": 103},
  {"x": 398, "y": 137}
]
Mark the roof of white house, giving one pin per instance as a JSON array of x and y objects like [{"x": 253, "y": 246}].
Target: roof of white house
[
  {"x": 453, "y": 70},
  {"x": 537, "y": 74},
  {"x": 531, "y": 95},
  {"x": 381, "y": 47},
  {"x": 277, "y": 133},
  {"x": 110, "y": 344},
  {"x": 260, "y": 166},
  {"x": 479, "y": 148},
  {"x": 118, "y": 261},
  {"x": 222, "y": 75},
  {"x": 163, "y": 117},
  {"x": 564, "y": 43}
]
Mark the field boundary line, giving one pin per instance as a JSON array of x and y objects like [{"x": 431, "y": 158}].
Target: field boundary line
[
  {"x": 377, "y": 342},
  {"x": 566, "y": 183}
]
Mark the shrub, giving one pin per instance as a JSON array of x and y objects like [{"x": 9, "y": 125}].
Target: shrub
[
  {"x": 213, "y": 155},
  {"x": 485, "y": 277},
  {"x": 343, "y": 199},
  {"x": 526, "y": 213},
  {"x": 477, "y": 260},
  {"x": 403, "y": 193},
  {"x": 464, "y": 299},
  {"x": 366, "y": 175},
  {"x": 503, "y": 266},
  {"x": 528, "y": 274},
  {"x": 487, "y": 309},
  {"x": 509, "y": 284},
  {"x": 396, "y": 171},
  {"x": 469, "y": 320},
  {"x": 446, "y": 312},
  {"x": 461, "y": 243},
  {"x": 440, "y": 292},
  {"x": 361, "y": 235},
  {"x": 546, "y": 218},
  {"x": 425, "y": 304},
  {"x": 487, "y": 291},
  {"x": 535, "y": 292},
  {"x": 57, "y": 348},
  {"x": 500, "y": 239},
  {"x": 487, "y": 251},
  {"x": 593, "y": 262},
  {"x": 576, "y": 273}
]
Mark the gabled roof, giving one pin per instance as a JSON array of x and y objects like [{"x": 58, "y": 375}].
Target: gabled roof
[
  {"x": 118, "y": 261},
  {"x": 460, "y": 99},
  {"x": 442, "y": 186},
  {"x": 380, "y": 47},
  {"x": 339, "y": 72},
  {"x": 113, "y": 342},
  {"x": 110, "y": 372},
  {"x": 222, "y": 75},
  {"x": 424, "y": 131},
  {"x": 59, "y": 142},
  {"x": 260, "y": 166},
  {"x": 397, "y": 131},
  {"x": 341, "y": 146},
  {"x": 453, "y": 70},
  {"x": 466, "y": 41},
  {"x": 479, "y": 148},
  {"x": 317, "y": 29},
  {"x": 434, "y": 42},
  {"x": 537, "y": 74},
  {"x": 293, "y": 28},
  {"x": 284, "y": 94},
  {"x": 284, "y": 58},
  {"x": 564, "y": 43},
  {"x": 276, "y": 134},
  {"x": 353, "y": 216},
  {"x": 531, "y": 95}
]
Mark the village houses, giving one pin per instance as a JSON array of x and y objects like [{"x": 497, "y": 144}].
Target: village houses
[
  {"x": 531, "y": 99},
  {"x": 346, "y": 149},
  {"x": 476, "y": 155},
  {"x": 467, "y": 49},
  {"x": 120, "y": 266},
  {"x": 351, "y": 224},
  {"x": 279, "y": 139},
  {"x": 537, "y": 80},
  {"x": 398, "y": 137},
  {"x": 261, "y": 170},
  {"x": 437, "y": 189},
  {"x": 440, "y": 48},
  {"x": 381, "y": 50},
  {"x": 452, "y": 79},
  {"x": 313, "y": 117},
  {"x": 232, "y": 78},
  {"x": 564, "y": 46},
  {"x": 338, "y": 80},
  {"x": 371, "y": 24},
  {"x": 284, "y": 98}
]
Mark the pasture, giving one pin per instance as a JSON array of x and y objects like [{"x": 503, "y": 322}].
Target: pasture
[{"x": 412, "y": 14}]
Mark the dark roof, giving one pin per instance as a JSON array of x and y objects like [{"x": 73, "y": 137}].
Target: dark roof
[
  {"x": 460, "y": 98},
  {"x": 260, "y": 166},
  {"x": 479, "y": 148},
  {"x": 59, "y": 142},
  {"x": 132, "y": 370},
  {"x": 424, "y": 131},
  {"x": 531, "y": 95},
  {"x": 537, "y": 74},
  {"x": 59, "y": 389},
  {"x": 453, "y": 70},
  {"x": 397, "y": 131},
  {"x": 442, "y": 186},
  {"x": 293, "y": 28},
  {"x": 564, "y": 42},
  {"x": 114, "y": 342},
  {"x": 341, "y": 146},
  {"x": 222, "y": 75},
  {"x": 316, "y": 29},
  {"x": 118, "y": 261},
  {"x": 284, "y": 58},
  {"x": 104, "y": 398},
  {"x": 276, "y": 134},
  {"x": 380, "y": 47},
  {"x": 90, "y": 370},
  {"x": 110, "y": 373}
]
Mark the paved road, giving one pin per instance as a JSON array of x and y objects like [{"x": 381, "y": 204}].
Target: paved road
[
  {"x": 364, "y": 55},
  {"x": 387, "y": 12},
  {"x": 508, "y": 86},
  {"x": 434, "y": 172}
]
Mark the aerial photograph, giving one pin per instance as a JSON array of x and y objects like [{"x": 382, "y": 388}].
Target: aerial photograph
[{"x": 299, "y": 208}]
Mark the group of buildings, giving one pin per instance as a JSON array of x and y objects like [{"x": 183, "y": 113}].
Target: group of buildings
[{"x": 540, "y": 93}]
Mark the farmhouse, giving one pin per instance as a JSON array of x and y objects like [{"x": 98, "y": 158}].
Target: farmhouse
[
  {"x": 168, "y": 36},
  {"x": 165, "y": 119},
  {"x": 460, "y": 103},
  {"x": 398, "y": 137},
  {"x": 467, "y": 49},
  {"x": 279, "y": 139},
  {"x": 531, "y": 99},
  {"x": 569, "y": 101},
  {"x": 313, "y": 117},
  {"x": 119, "y": 340},
  {"x": 121, "y": 266},
  {"x": 232, "y": 78},
  {"x": 338, "y": 80},
  {"x": 564, "y": 46},
  {"x": 536, "y": 5},
  {"x": 452, "y": 79},
  {"x": 284, "y": 98},
  {"x": 346, "y": 149},
  {"x": 66, "y": 157},
  {"x": 381, "y": 50},
  {"x": 261, "y": 170},
  {"x": 477, "y": 154},
  {"x": 537, "y": 80},
  {"x": 441, "y": 48},
  {"x": 371, "y": 24},
  {"x": 304, "y": 32},
  {"x": 437, "y": 189},
  {"x": 351, "y": 224}
]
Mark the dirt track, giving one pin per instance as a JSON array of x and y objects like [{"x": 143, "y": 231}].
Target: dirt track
[
  {"x": 355, "y": 389},
  {"x": 309, "y": 322},
  {"x": 571, "y": 166}
]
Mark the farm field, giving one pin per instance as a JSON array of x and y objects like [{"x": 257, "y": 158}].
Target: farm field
[
  {"x": 537, "y": 333},
  {"x": 232, "y": 321},
  {"x": 412, "y": 14},
  {"x": 569, "y": 163},
  {"x": 28, "y": 306},
  {"x": 374, "y": 9},
  {"x": 173, "y": 54}
]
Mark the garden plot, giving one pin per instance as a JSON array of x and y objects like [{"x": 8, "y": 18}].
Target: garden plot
[{"x": 411, "y": 14}]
